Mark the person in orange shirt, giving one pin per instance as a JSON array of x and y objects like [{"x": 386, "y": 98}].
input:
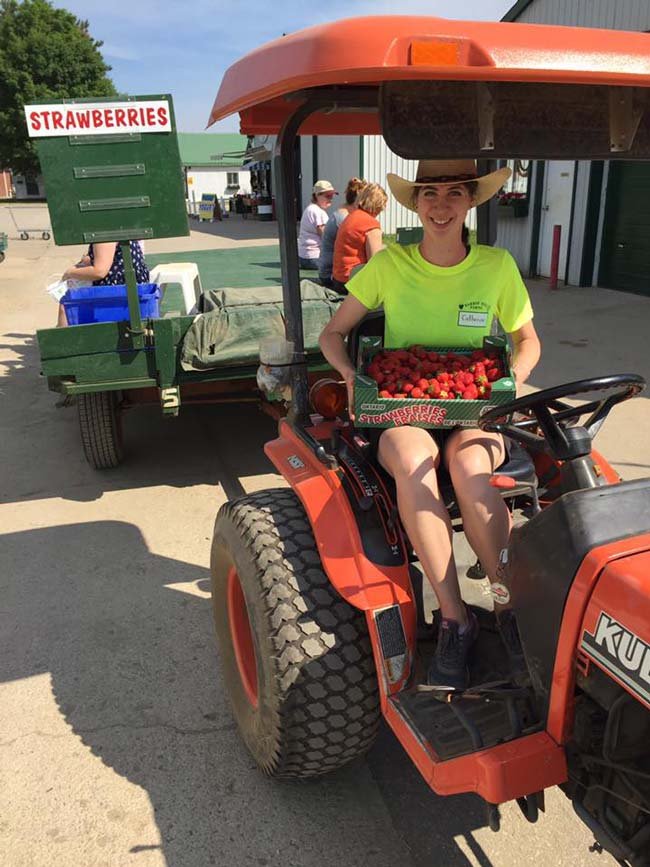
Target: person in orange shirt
[{"x": 359, "y": 236}]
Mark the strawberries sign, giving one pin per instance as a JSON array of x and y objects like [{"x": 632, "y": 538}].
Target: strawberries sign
[{"x": 98, "y": 118}]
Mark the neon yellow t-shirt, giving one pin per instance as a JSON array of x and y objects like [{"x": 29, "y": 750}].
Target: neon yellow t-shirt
[{"x": 447, "y": 307}]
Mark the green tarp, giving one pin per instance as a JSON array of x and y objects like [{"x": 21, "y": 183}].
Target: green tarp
[{"x": 234, "y": 321}]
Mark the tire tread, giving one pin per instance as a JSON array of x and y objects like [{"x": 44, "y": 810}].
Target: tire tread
[{"x": 324, "y": 672}]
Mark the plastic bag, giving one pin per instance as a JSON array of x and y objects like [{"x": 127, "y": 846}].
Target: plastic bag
[
  {"x": 274, "y": 372},
  {"x": 57, "y": 287}
]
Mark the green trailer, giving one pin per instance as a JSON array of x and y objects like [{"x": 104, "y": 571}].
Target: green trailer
[
  {"x": 3, "y": 245},
  {"x": 105, "y": 185}
]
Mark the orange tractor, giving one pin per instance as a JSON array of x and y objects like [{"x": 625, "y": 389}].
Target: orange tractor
[{"x": 315, "y": 595}]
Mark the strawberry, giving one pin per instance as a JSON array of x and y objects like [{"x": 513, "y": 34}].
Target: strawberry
[
  {"x": 416, "y": 392},
  {"x": 408, "y": 387},
  {"x": 470, "y": 393}
]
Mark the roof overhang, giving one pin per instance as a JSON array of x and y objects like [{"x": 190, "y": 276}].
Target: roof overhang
[{"x": 263, "y": 86}]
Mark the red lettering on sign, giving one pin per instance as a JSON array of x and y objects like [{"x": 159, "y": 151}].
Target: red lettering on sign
[
  {"x": 108, "y": 118},
  {"x": 70, "y": 120},
  {"x": 120, "y": 117},
  {"x": 83, "y": 119},
  {"x": 57, "y": 120},
  {"x": 151, "y": 117},
  {"x": 132, "y": 114},
  {"x": 35, "y": 120},
  {"x": 97, "y": 118},
  {"x": 162, "y": 116},
  {"x": 404, "y": 415},
  {"x": 46, "y": 119}
]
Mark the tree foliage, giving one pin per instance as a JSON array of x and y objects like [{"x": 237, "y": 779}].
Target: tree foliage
[{"x": 46, "y": 54}]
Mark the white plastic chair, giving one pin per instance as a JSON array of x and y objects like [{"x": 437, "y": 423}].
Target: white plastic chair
[{"x": 185, "y": 273}]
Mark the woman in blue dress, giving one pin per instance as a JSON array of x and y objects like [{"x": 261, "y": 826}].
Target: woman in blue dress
[{"x": 103, "y": 265}]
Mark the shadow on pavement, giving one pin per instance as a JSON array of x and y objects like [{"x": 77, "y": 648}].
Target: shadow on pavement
[
  {"x": 43, "y": 457},
  {"x": 127, "y": 639}
]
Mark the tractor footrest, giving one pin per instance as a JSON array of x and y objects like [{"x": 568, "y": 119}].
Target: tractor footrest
[{"x": 466, "y": 725}]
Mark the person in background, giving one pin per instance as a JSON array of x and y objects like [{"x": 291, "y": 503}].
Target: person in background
[
  {"x": 103, "y": 265},
  {"x": 359, "y": 237},
  {"x": 312, "y": 224},
  {"x": 354, "y": 187}
]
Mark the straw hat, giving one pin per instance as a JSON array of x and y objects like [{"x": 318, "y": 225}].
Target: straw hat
[
  {"x": 323, "y": 187},
  {"x": 447, "y": 172}
]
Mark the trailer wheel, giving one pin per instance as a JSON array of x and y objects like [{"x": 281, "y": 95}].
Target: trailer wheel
[
  {"x": 46, "y": 236},
  {"x": 101, "y": 429},
  {"x": 24, "y": 236},
  {"x": 296, "y": 658}
]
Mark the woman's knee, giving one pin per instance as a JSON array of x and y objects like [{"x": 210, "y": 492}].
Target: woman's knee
[
  {"x": 474, "y": 454},
  {"x": 408, "y": 455}
]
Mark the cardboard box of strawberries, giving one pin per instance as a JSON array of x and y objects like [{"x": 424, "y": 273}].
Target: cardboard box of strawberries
[{"x": 431, "y": 388}]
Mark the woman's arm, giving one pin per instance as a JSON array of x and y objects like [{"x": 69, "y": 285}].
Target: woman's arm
[
  {"x": 103, "y": 255},
  {"x": 320, "y": 229},
  {"x": 332, "y": 341},
  {"x": 527, "y": 351},
  {"x": 374, "y": 242}
]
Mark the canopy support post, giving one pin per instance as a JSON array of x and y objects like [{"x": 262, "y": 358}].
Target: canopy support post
[{"x": 286, "y": 211}]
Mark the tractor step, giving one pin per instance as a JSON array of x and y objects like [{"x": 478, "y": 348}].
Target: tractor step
[
  {"x": 494, "y": 710},
  {"x": 466, "y": 725}
]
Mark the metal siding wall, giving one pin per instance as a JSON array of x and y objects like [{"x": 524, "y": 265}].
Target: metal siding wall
[
  {"x": 612, "y": 14},
  {"x": 514, "y": 234},
  {"x": 378, "y": 161},
  {"x": 338, "y": 161},
  {"x": 579, "y": 219}
]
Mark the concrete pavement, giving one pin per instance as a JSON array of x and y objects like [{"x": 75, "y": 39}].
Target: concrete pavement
[{"x": 116, "y": 742}]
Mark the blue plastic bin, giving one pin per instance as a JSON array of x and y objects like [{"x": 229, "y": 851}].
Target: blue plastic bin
[{"x": 108, "y": 303}]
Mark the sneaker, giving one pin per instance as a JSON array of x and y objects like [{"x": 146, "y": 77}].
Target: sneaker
[
  {"x": 448, "y": 667},
  {"x": 509, "y": 632}
]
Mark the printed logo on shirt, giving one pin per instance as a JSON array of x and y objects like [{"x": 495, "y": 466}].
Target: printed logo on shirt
[{"x": 473, "y": 314}]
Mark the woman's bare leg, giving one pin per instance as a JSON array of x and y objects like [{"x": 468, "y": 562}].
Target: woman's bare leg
[
  {"x": 411, "y": 456},
  {"x": 472, "y": 456}
]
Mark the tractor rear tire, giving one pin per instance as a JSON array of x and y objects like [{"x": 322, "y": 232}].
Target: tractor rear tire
[
  {"x": 101, "y": 429},
  {"x": 296, "y": 658}
]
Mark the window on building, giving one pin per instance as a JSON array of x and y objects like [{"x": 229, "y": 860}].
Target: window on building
[
  {"x": 515, "y": 193},
  {"x": 232, "y": 179}
]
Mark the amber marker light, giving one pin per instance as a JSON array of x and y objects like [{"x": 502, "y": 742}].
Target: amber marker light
[
  {"x": 435, "y": 54},
  {"x": 328, "y": 397}
]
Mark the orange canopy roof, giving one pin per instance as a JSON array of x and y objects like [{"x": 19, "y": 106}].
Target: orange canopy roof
[{"x": 371, "y": 50}]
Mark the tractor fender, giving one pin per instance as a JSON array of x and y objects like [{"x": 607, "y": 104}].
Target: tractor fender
[{"x": 360, "y": 581}]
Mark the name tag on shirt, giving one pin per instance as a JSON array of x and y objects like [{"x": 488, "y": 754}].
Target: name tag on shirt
[{"x": 472, "y": 319}]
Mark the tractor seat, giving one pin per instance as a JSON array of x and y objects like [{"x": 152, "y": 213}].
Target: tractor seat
[{"x": 518, "y": 465}]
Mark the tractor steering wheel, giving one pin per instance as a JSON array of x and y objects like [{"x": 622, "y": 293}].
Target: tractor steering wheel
[{"x": 547, "y": 413}]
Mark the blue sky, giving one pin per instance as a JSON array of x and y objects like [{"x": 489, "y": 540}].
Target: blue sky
[{"x": 184, "y": 48}]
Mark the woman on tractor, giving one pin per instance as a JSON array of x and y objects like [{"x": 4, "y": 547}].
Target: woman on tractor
[{"x": 426, "y": 291}]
